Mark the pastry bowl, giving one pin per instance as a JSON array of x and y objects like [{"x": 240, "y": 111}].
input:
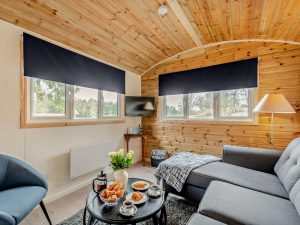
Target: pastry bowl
[{"x": 108, "y": 202}]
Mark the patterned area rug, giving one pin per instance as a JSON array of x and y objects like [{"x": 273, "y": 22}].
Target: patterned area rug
[{"x": 179, "y": 212}]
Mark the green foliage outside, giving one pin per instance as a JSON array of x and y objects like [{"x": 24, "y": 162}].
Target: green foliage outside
[
  {"x": 174, "y": 111},
  {"x": 110, "y": 109},
  {"x": 48, "y": 97},
  {"x": 201, "y": 105},
  {"x": 85, "y": 109},
  {"x": 234, "y": 102}
]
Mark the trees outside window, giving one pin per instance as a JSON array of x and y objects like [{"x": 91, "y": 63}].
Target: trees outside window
[
  {"x": 221, "y": 105},
  {"x": 85, "y": 103},
  {"x": 174, "y": 106},
  {"x": 52, "y": 100},
  {"x": 48, "y": 98},
  {"x": 110, "y": 104}
]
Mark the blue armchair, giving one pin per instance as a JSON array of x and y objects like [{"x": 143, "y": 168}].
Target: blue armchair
[{"x": 21, "y": 189}]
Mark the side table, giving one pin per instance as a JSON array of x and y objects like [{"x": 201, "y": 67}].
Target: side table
[{"x": 143, "y": 136}]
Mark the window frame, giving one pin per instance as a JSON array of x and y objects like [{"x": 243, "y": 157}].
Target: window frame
[
  {"x": 28, "y": 120},
  {"x": 251, "y": 118}
]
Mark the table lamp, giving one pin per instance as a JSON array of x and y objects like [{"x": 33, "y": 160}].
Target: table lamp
[
  {"x": 273, "y": 103},
  {"x": 148, "y": 106}
]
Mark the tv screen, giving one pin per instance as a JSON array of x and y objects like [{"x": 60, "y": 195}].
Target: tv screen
[{"x": 134, "y": 106}]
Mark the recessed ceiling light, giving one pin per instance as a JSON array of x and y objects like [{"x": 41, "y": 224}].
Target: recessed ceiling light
[{"x": 162, "y": 10}]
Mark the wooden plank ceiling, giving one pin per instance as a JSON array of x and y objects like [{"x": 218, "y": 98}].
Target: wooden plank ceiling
[{"x": 132, "y": 35}]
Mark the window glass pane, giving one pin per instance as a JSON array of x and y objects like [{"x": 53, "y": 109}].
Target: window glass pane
[
  {"x": 110, "y": 104},
  {"x": 201, "y": 105},
  {"x": 174, "y": 106},
  {"x": 85, "y": 103},
  {"x": 48, "y": 98},
  {"x": 234, "y": 103}
]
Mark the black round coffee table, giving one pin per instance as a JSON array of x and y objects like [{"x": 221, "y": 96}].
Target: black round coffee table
[{"x": 150, "y": 209}]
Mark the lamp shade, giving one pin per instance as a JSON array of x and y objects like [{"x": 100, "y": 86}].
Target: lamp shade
[
  {"x": 274, "y": 103},
  {"x": 148, "y": 106}
]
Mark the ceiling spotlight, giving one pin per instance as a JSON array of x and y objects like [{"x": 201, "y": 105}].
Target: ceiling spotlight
[{"x": 162, "y": 10}]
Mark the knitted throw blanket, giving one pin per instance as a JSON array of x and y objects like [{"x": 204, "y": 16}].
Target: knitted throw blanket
[{"x": 176, "y": 169}]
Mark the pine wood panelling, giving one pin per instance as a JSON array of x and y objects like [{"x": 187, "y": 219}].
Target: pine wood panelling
[
  {"x": 279, "y": 72},
  {"x": 131, "y": 34}
]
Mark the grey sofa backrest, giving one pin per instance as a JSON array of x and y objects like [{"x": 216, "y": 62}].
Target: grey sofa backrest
[{"x": 288, "y": 171}]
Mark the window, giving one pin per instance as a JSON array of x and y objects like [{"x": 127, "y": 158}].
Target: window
[
  {"x": 110, "y": 107},
  {"x": 48, "y": 98},
  {"x": 234, "y": 103},
  {"x": 174, "y": 105},
  {"x": 86, "y": 103},
  {"x": 221, "y": 105},
  {"x": 53, "y": 101},
  {"x": 201, "y": 105}
]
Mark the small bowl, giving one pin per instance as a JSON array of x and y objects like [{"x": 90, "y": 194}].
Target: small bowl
[{"x": 108, "y": 203}]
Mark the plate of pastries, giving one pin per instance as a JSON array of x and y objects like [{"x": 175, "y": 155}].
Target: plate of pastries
[
  {"x": 111, "y": 195},
  {"x": 137, "y": 197},
  {"x": 140, "y": 185}
]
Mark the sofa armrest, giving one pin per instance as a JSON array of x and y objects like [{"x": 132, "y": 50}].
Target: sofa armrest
[
  {"x": 258, "y": 159},
  {"x": 20, "y": 173}
]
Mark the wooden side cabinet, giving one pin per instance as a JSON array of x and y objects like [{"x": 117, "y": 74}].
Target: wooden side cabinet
[{"x": 143, "y": 136}]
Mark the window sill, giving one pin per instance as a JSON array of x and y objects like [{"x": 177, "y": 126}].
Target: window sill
[
  {"x": 225, "y": 122},
  {"x": 69, "y": 123}
]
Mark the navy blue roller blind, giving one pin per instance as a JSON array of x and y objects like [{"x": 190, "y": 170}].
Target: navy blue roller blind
[
  {"x": 50, "y": 62},
  {"x": 228, "y": 76}
]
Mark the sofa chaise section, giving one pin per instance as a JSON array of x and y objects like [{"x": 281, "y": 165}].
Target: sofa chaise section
[
  {"x": 252, "y": 168},
  {"x": 234, "y": 205}
]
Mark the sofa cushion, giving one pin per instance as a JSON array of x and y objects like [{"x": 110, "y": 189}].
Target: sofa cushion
[
  {"x": 235, "y": 205},
  {"x": 260, "y": 181},
  {"x": 18, "y": 202},
  {"x": 288, "y": 166},
  {"x": 198, "y": 218}
]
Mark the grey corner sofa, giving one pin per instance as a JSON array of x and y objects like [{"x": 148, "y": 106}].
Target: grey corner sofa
[{"x": 250, "y": 186}]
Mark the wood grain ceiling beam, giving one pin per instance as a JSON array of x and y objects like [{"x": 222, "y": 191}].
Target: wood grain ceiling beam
[{"x": 178, "y": 11}]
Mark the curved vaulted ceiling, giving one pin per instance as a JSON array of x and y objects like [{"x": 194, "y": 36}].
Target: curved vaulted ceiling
[{"x": 132, "y": 35}]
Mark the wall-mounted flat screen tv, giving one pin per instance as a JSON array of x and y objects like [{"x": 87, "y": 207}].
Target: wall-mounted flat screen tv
[{"x": 134, "y": 106}]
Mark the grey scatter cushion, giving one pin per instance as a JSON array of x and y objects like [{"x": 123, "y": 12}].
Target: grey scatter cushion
[{"x": 288, "y": 166}]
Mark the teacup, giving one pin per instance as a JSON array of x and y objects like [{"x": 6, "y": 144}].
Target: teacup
[
  {"x": 127, "y": 206},
  {"x": 154, "y": 189}
]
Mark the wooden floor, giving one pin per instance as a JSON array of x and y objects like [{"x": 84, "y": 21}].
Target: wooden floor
[{"x": 68, "y": 205}]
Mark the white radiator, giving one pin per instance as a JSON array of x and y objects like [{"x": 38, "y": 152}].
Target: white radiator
[{"x": 88, "y": 158}]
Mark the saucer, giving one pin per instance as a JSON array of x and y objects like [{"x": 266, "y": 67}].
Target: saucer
[
  {"x": 133, "y": 211},
  {"x": 151, "y": 194}
]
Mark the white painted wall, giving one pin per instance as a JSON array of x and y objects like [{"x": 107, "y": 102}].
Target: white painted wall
[{"x": 47, "y": 149}]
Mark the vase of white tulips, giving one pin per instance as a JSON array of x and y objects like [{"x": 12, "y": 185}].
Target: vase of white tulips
[{"x": 120, "y": 161}]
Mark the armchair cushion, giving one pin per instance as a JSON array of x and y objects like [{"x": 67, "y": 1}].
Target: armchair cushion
[
  {"x": 19, "y": 202},
  {"x": 15, "y": 173},
  {"x": 262, "y": 160}
]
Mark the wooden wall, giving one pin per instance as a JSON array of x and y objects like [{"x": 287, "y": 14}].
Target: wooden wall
[{"x": 279, "y": 72}]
